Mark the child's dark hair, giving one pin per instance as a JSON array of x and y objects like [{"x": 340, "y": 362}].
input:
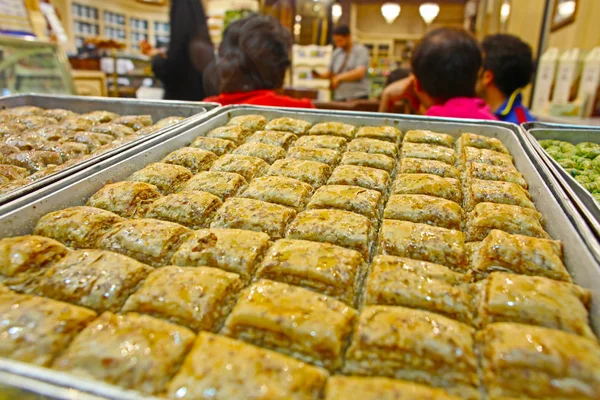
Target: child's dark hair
[
  {"x": 510, "y": 60},
  {"x": 254, "y": 55},
  {"x": 446, "y": 63}
]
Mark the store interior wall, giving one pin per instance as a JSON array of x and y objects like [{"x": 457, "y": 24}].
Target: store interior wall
[{"x": 584, "y": 32}]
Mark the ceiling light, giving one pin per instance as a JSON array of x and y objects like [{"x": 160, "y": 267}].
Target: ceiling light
[
  {"x": 566, "y": 8},
  {"x": 429, "y": 11},
  {"x": 390, "y": 12},
  {"x": 504, "y": 12},
  {"x": 336, "y": 12}
]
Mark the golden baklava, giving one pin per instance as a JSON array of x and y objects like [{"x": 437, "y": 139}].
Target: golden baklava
[
  {"x": 167, "y": 121},
  {"x": 322, "y": 142},
  {"x": 265, "y": 152},
  {"x": 190, "y": 208},
  {"x": 253, "y": 215},
  {"x": 194, "y": 159},
  {"x": 198, "y": 298},
  {"x": 365, "y": 177},
  {"x": 489, "y": 172},
  {"x": 421, "y": 166},
  {"x": 221, "y": 184},
  {"x": 284, "y": 124},
  {"x": 234, "y": 133},
  {"x": 250, "y": 123},
  {"x": 135, "y": 122},
  {"x": 246, "y": 166},
  {"x": 486, "y": 217},
  {"x": 428, "y": 152},
  {"x": 423, "y": 242},
  {"x": 342, "y": 228},
  {"x": 534, "y": 300},
  {"x": 77, "y": 227},
  {"x": 222, "y": 368},
  {"x": 274, "y": 138},
  {"x": 378, "y": 388},
  {"x": 168, "y": 178},
  {"x": 98, "y": 279},
  {"x": 292, "y": 320},
  {"x": 23, "y": 111},
  {"x": 311, "y": 172},
  {"x": 232, "y": 250},
  {"x": 150, "y": 241},
  {"x": 373, "y": 146},
  {"x": 94, "y": 141},
  {"x": 35, "y": 329},
  {"x": 57, "y": 132},
  {"x": 524, "y": 361},
  {"x": 214, "y": 145},
  {"x": 127, "y": 199},
  {"x": 322, "y": 267},
  {"x": 501, "y": 251},
  {"x": 415, "y": 345},
  {"x": 287, "y": 192},
  {"x": 428, "y": 137},
  {"x": 115, "y": 130},
  {"x": 480, "y": 142},
  {"x": 58, "y": 114},
  {"x": 428, "y": 184},
  {"x": 333, "y": 129},
  {"x": 100, "y": 117},
  {"x": 387, "y": 133},
  {"x": 11, "y": 173},
  {"x": 379, "y": 161},
  {"x": 78, "y": 123},
  {"x": 397, "y": 281},
  {"x": 133, "y": 351},
  {"x": 349, "y": 198},
  {"x": 471, "y": 155},
  {"x": 423, "y": 209},
  {"x": 34, "y": 160},
  {"x": 37, "y": 121},
  {"x": 479, "y": 191},
  {"x": 325, "y": 156}
]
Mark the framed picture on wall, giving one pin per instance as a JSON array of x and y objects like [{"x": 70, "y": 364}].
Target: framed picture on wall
[{"x": 563, "y": 14}]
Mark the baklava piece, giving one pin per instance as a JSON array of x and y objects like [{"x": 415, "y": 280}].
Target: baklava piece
[
  {"x": 10, "y": 173},
  {"x": 168, "y": 121},
  {"x": 428, "y": 152},
  {"x": 428, "y": 137},
  {"x": 100, "y": 117},
  {"x": 280, "y": 190},
  {"x": 214, "y": 145},
  {"x": 397, "y": 281},
  {"x": 147, "y": 130},
  {"x": 387, "y": 133},
  {"x": 274, "y": 138},
  {"x": 196, "y": 160},
  {"x": 68, "y": 151},
  {"x": 25, "y": 141},
  {"x": 232, "y": 250},
  {"x": 378, "y": 161},
  {"x": 321, "y": 267},
  {"x": 78, "y": 124},
  {"x": 92, "y": 140},
  {"x": 98, "y": 279},
  {"x": 11, "y": 128},
  {"x": 58, "y": 114},
  {"x": 374, "y": 146},
  {"x": 378, "y": 388},
  {"x": 135, "y": 122},
  {"x": 533, "y": 300},
  {"x": 127, "y": 199},
  {"x": 35, "y": 330},
  {"x": 23, "y": 111},
  {"x": 524, "y": 255},
  {"x": 480, "y": 142},
  {"x": 253, "y": 215},
  {"x": 333, "y": 129},
  {"x": 349, "y": 198},
  {"x": 246, "y": 166},
  {"x": 342, "y": 228},
  {"x": 115, "y": 130},
  {"x": 293, "y": 321},
  {"x": 489, "y": 172},
  {"x": 167, "y": 178},
  {"x": 311, "y": 172},
  {"x": 325, "y": 156},
  {"x": 424, "y": 209},
  {"x": 149, "y": 241},
  {"x": 77, "y": 227},
  {"x": 415, "y": 345},
  {"x": 189, "y": 208},
  {"x": 250, "y": 123},
  {"x": 23, "y": 258},
  {"x": 132, "y": 351},
  {"x": 479, "y": 191},
  {"x": 523, "y": 361},
  {"x": 473, "y": 155},
  {"x": 225, "y": 368},
  {"x": 36, "y": 122},
  {"x": 423, "y": 242},
  {"x": 52, "y": 132},
  {"x": 428, "y": 184},
  {"x": 486, "y": 217},
  {"x": 198, "y": 298},
  {"x": 322, "y": 142},
  {"x": 33, "y": 160},
  {"x": 365, "y": 177},
  {"x": 295, "y": 126},
  {"x": 420, "y": 166},
  {"x": 7, "y": 149},
  {"x": 265, "y": 152},
  {"x": 234, "y": 133},
  {"x": 221, "y": 184}
]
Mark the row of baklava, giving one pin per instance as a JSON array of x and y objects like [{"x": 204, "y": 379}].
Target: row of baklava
[{"x": 36, "y": 142}]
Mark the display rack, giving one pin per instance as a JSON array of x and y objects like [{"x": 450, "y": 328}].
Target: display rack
[{"x": 305, "y": 59}]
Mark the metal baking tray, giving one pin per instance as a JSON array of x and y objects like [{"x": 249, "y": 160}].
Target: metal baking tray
[
  {"x": 562, "y": 221},
  {"x": 585, "y": 202},
  {"x": 158, "y": 109}
]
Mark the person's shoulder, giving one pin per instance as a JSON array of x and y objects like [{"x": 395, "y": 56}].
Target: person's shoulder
[{"x": 361, "y": 48}]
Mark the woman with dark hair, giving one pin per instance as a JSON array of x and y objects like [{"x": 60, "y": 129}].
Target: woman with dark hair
[
  {"x": 190, "y": 51},
  {"x": 253, "y": 59}
]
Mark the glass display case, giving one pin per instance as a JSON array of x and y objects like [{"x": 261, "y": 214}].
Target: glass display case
[{"x": 33, "y": 66}]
